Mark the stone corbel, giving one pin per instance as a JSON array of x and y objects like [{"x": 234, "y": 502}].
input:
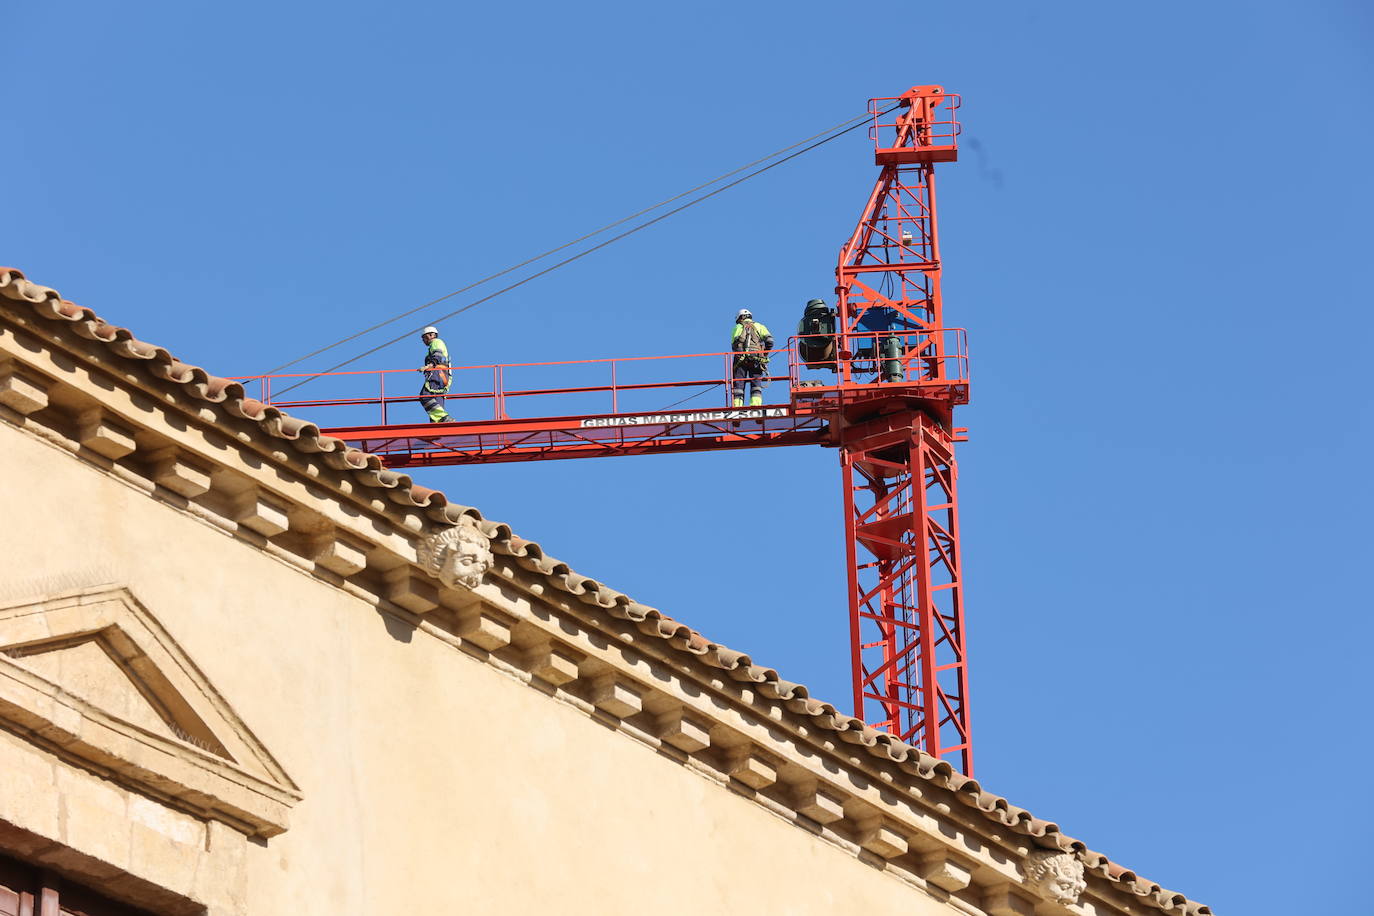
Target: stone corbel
[
  {"x": 174, "y": 472},
  {"x": 259, "y": 513},
  {"x": 102, "y": 435},
  {"x": 619, "y": 697},
  {"x": 751, "y": 769},
  {"x": 22, "y": 391},
  {"x": 682, "y": 732},
  {"x": 943, "y": 872},
  {"x": 552, "y": 663},
  {"x": 489, "y": 630},
  {"x": 338, "y": 554},
  {"x": 415, "y": 593},
  {"x": 821, "y": 805},
  {"x": 1002, "y": 900},
  {"x": 881, "y": 840}
]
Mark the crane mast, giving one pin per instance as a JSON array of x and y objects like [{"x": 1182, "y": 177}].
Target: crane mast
[
  {"x": 890, "y": 374},
  {"x": 899, "y": 380}
]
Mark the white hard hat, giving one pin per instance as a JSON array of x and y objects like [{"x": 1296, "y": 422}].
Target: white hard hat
[
  {"x": 430, "y": 330},
  {"x": 744, "y": 313}
]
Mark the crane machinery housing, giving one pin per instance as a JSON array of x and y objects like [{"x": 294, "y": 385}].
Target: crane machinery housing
[{"x": 877, "y": 378}]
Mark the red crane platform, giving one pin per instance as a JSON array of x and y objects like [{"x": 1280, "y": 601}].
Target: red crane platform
[{"x": 530, "y": 422}]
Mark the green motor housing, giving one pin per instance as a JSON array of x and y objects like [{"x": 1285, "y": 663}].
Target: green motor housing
[{"x": 892, "y": 362}]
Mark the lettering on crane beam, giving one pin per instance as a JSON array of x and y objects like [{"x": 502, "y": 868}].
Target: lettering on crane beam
[{"x": 698, "y": 416}]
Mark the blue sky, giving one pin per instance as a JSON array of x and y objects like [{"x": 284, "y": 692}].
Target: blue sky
[{"x": 1152, "y": 239}]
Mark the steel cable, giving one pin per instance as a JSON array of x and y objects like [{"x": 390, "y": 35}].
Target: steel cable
[
  {"x": 581, "y": 254},
  {"x": 545, "y": 254}
]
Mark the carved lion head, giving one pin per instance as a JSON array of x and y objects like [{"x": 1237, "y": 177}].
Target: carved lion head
[
  {"x": 460, "y": 555},
  {"x": 1058, "y": 875}
]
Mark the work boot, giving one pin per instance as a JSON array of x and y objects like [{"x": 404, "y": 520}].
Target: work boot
[
  {"x": 756, "y": 400},
  {"x": 739, "y": 402}
]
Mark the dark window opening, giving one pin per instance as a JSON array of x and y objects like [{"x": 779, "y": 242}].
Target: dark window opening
[{"x": 31, "y": 890}]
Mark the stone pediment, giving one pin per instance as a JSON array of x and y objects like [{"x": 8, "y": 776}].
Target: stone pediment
[{"x": 92, "y": 676}]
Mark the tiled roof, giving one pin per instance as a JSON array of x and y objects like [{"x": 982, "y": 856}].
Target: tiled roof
[{"x": 18, "y": 292}]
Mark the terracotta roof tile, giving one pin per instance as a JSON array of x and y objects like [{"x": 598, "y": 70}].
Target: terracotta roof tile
[{"x": 17, "y": 291}]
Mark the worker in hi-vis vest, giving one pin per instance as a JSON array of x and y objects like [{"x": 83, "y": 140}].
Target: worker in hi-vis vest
[
  {"x": 750, "y": 342},
  {"x": 437, "y": 376}
]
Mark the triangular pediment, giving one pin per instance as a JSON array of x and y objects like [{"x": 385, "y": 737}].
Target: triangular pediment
[
  {"x": 94, "y": 676},
  {"x": 89, "y": 668}
]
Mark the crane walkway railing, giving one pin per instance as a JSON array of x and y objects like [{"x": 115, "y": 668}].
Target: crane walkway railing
[
  {"x": 635, "y": 385},
  {"x": 897, "y": 355},
  {"x": 561, "y": 388}
]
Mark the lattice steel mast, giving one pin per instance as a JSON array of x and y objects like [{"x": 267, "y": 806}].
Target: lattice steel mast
[{"x": 896, "y": 441}]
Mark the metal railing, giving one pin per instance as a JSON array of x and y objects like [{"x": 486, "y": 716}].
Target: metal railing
[
  {"x": 942, "y": 129},
  {"x": 635, "y": 384},
  {"x": 877, "y": 357}
]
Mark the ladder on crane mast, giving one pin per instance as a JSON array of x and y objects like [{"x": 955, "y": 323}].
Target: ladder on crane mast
[{"x": 890, "y": 376}]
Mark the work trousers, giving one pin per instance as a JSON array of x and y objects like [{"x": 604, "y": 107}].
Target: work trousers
[
  {"x": 751, "y": 373},
  {"x": 433, "y": 404}
]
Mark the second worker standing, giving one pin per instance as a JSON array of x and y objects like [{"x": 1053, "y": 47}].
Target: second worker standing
[{"x": 751, "y": 343}]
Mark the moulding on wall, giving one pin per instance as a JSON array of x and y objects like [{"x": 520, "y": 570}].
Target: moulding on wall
[{"x": 91, "y": 675}]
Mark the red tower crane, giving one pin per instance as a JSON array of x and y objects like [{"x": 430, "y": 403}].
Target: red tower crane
[{"x": 890, "y": 374}]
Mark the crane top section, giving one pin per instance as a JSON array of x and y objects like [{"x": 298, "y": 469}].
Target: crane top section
[
  {"x": 888, "y": 275},
  {"x": 918, "y": 126}
]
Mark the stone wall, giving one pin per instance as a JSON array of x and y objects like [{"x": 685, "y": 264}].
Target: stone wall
[{"x": 426, "y": 777}]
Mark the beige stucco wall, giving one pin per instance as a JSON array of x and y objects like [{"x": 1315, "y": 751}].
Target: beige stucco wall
[{"x": 430, "y": 780}]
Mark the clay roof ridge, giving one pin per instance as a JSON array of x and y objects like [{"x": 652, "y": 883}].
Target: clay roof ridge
[{"x": 529, "y": 555}]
